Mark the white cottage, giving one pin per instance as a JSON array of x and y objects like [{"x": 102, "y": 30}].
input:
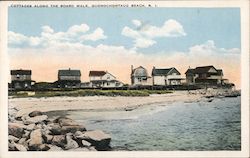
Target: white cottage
[
  {"x": 103, "y": 79},
  {"x": 167, "y": 76},
  {"x": 139, "y": 76}
]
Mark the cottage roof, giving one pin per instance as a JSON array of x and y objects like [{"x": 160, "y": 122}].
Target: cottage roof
[
  {"x": 156, "y": 72},
  {"x": 97, "y": 73},
  {"x": 203, "y": 69},
  {"x": 20, "y": 72},
  {"x": 69, "y": 72},
  {"x": 160, "y": 71},
  {"x": 190, "y": 71},
  {"x": 139, "y": 72}
]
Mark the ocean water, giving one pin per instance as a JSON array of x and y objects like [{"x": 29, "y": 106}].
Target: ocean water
[{"x": 176, "y": 126}]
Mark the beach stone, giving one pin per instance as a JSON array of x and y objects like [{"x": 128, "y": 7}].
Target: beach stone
[
  {"x": 36, "y": 119},
  {"x": 59, "y": 140},
  {"x": 98, "y": 138},
  {"x": 13, "y": 138},
  {"x": 54, "y": 148},
  {"x": 16, "y": 129},
  {"x": 48, "y": 138},
  {"x": 72, "y": 129},
  {"x": 36, "y": 138},
  {"x": 35, "y": 113},
  {"x": 78, "y": 133},
  {"x": 43, "y": 147},
  {"x": 12, "y": 146},
  {"x": 20, "y": 147},
  {"x": 55, "y": 129},
  {"x": 26, "y": 134},
  {"x": 22, "y": 140},
  {"x": 85, "y": 143},
  {"x": 30, "y": 127},
  {"x": 64, "y": 121},
  {"x": 71, "y": 144},
  {"x": 92, "y": 148}
]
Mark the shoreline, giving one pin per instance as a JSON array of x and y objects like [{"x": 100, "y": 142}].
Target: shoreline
[{"x": 107, "y": 103}]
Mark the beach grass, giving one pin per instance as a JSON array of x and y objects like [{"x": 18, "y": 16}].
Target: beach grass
[{"x": 89, "y": 92}]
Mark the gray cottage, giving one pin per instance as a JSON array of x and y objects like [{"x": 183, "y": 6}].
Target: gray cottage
[
  {"x": 21, "y": 79},
  {"x": 69, "y": 78}
]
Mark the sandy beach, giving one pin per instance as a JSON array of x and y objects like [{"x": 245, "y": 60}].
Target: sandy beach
[{"x": 93, "y": 103}]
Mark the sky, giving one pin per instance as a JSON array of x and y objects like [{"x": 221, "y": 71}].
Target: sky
[{"x": 113, "y": 39}]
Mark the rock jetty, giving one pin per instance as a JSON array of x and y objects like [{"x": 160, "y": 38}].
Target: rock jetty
[{"x": 35, "y": 132}]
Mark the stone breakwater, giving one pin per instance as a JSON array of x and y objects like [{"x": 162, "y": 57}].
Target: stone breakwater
[{"x": 35, "y": 132}]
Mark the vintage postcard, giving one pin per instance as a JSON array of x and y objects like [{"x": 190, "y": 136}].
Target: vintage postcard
[{"x": 125, "y": 79}]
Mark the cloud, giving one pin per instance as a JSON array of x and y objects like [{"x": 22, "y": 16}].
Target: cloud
[
  {"x": 146, "y": 33},
  {"x": 74, "y": 34},
  {"x": 137, "y": 23},
  {"x": 98, "y": 34}
]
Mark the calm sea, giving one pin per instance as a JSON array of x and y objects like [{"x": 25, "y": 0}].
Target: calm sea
[{"x": 196, "y": 126}]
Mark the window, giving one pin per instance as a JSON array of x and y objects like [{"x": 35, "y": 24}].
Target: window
[{"x": 17, "y": 76}]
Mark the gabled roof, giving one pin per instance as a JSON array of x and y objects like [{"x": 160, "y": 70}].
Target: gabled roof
[
  {"x": 204, "y": 69},
  {"x": 156, "y": 72},
  {"x": 69, "y": 72},
  {"x": 97, "y": 73},
  {"x": 190, "y": 71},
  {"x": 139, "y": 72},
  {"x": 20, "y": 72},
  {"x": 160, "y": 71}
]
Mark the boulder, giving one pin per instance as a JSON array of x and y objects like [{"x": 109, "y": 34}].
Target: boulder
[
  {"x": 35, "y": 113},
  {"x": 59, "y": 140},
  {"x": 12, "y": 146},
  {"x": 64, "y": 121},
  {"x": 12, "y": 138},
  {"x": 55, "y": 129},
  {"x": 36, "y": 119},
  {"x": 16, "y": 129},
  {"x": 22, "y": 140},
  {"x": 26, "y": 134},
  {"x": 78, "y": 133},
  {"x": 72, "y": 129},
  {"x": 36, "y": 138},
  {"x": 20, "y": 147},
  {"x": 30, "y": 127},
  {"x": 71, "y": 144},
  {"x": 43, "y": 147},
  {"x": 48, "y": 138},
  {"x": 85, "y": 143},
  {"x": 54, "y": 148},
  {"x": 98, "y": 138}
]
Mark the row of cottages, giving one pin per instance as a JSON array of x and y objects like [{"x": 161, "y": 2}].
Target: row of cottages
[
  {"x": 98, "y": 79},
  {"x": 67, "y": 78},
  {"x": 205, "y": 74},
  {"x": 167, "y": 76}
]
